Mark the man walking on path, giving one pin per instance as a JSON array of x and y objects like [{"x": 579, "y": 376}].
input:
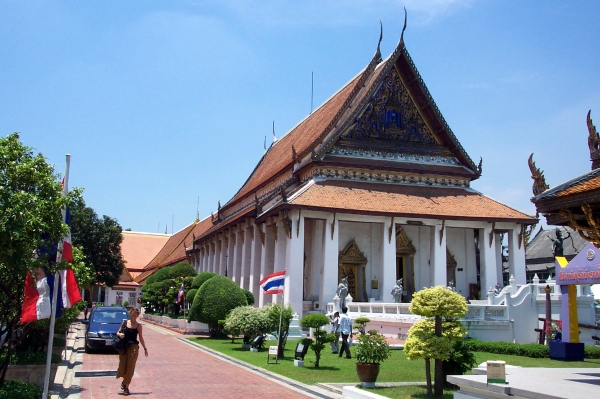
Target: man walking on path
[{"x": 345, "y": 327}]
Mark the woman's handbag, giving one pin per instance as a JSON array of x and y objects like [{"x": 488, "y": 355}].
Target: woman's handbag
[{"x": 120, "y": 344}]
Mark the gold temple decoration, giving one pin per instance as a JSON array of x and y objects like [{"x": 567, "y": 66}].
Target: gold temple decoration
[
  {"x": 593, "y": 142},
  {"x": 351, "y": 264},
  {"x": 233, "y": 238},
  {"x": 333, "y": 225},
  {"x": 391, "y": 229},
  {"x": 298, "y": 225},
  {"x": 492, "y": 233},
  {"x": 405, "y": 247},
  {"x": 242, "y": 234},
  {"x": 274, "y": 227},
  {"x": 442, "y": 231},
  {"x": 251, "y": 231},
  {"x": 539, "y": 181},
  {"x": 261, "y": 233},
  {"x": 591, "y": 233},
  {"x": 287, "y": 223},
  {"x": 450, "y": 267}
]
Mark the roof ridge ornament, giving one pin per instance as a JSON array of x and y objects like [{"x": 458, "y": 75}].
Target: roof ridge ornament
[
  {"x": 593, "y": 142},
  {"x": 539, "y": 181},
  {"x": 378, "y": 52}
]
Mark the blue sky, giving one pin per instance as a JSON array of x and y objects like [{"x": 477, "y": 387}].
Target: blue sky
[{"x": 164, "y": 104}]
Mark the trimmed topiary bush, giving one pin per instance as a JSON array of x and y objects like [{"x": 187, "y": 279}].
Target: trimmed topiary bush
[
  {"x": 317, "y": 321},
  {"x": 214, "y": 300},
  {"x": 182, "y": 269},
  {"x": 162, "y": 274},
  {"x": 249, "y": 297},
  {"x": 190, "y": 295},
  {"x": 248, "y": 321},
  {"x": 201, "y": 279}
]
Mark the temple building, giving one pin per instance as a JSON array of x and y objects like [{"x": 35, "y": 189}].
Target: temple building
[{"x": 373, "y": 186}]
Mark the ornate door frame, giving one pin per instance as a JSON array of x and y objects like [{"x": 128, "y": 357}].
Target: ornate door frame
[
  {"x": 406, "y": 250},
  {"x": 352, "y": 258}
]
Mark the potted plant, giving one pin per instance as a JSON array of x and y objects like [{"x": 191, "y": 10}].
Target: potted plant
[{"x": 371, "y": 349}]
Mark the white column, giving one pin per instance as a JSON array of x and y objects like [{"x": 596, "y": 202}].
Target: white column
[
  {"x": 245, "y": 259},
  {"x": 516, "y": 256},
  {"x": 267, "y": 261},
  {"x": 487, "y": 260},
  {"x": 229, "y": 261},
  {"x": 294, "y": 259},
  {"x": 438, "y": 255},
  {"x": 235, "y": 257},
  {"x": 255, "y": 262},
  {"x": 331, "y": 253},
  {"x": 223, "y": 255},
  {"x": 388, "y": 257},
  {"x": 499, "y": 259},
  {"x": 279, "y": 256}
]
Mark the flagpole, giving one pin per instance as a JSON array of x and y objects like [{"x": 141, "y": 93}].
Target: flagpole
[
  {"x": 55, "y": 292},
  {"x": 280, "y": 321}
]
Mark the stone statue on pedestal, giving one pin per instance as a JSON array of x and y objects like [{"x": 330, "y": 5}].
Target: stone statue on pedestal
[
  {"x": 342, "y": 291},
  {"x": 398, "y": 291}
]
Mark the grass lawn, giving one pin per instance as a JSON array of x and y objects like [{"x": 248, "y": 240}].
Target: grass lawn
[{"x": 334, "y": 369}]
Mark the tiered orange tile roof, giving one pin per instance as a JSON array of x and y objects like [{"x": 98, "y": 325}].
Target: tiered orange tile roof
[
  {"x": 138, "y": 249},
  {"x": 405, "y": 200},
  {"x": 174, "y": 249}
]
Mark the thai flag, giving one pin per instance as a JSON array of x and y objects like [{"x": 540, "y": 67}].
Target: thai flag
[
  {"x": 273, "y": 283},
  {"x": 38, "y": 295},
  {"x": 180, "y": 295},
  {"x": 67, "y": 251}
]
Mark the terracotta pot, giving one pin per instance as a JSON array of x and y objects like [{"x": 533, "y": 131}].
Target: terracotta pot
[{"x": 367, "y": 374}]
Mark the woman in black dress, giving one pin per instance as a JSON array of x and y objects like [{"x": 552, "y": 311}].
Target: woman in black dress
[{"x": 127, "y": 358}]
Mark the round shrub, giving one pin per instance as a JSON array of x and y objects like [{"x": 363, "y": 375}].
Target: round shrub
[
  {"x": 201, "y": 279},
  {"x": 249, "y": 297},
  {"x": 162, "y": 274},
  {"x": 20, "y": 390},
  {"x": 191, "y": 294},
  {"x": 182, "y": 269},
  {"x": 215, "y": 299}
]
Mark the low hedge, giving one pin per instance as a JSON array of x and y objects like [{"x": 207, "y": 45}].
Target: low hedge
[
  {"x": 528, "y": 350},
  {"x": 30, "y": 357},
  {"x": 20, "y": 390}
]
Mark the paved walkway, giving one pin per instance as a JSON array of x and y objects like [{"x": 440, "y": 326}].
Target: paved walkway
[{"x": 176, "y": 369}]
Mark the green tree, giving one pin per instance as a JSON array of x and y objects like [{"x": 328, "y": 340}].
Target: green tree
[
  {"x": 432, "y": 338},
  {"x": 85, "y": 273},
  {"x": 322, "y": 337},
  {"x": 30, "y": 218},
  {"x": 274, "y": 311},
  {"x": 100, "y": 240}
]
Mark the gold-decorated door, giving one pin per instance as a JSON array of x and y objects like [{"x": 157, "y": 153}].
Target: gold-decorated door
[{"x": 351, "y": 272}]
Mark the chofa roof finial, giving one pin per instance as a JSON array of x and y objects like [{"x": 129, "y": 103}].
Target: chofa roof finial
[
  {"x": 539, "y": 181},
  {"x": 404, "y": 28},
  {"x": 593, "y": 142},
  {"x": 378, "y": 52}
]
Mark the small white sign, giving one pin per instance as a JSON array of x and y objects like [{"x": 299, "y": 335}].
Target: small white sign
[
  {"x": 273, "y": 350},
  {"x": 496, "y": 372}
]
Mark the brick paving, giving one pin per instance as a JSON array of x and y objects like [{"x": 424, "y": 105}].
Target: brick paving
[{"x": 175, "y": 369}]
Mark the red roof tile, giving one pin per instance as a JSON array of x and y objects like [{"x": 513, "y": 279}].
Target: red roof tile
[
  {"x": 138, "y": 249},
  {"x": 411, "y": 201}
]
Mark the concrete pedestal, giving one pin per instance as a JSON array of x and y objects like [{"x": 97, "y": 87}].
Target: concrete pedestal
[{"x": 298, "y": 363}]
